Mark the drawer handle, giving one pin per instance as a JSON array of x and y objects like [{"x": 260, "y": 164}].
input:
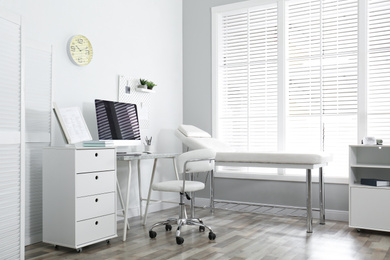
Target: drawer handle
[
  {"x": 96, "y": 154},
  {"x": 96, "y": 200},
  {"x": 96, "y": 222},
  {"x": 96, "y": 177}
]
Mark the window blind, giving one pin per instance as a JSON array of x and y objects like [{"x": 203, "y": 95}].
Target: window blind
[
  {"x": 322, "y": 78},
  {"x": 11, "y": 180},
  {"x": 247, "y": 88},
  {"x": 378, "y": 105}
]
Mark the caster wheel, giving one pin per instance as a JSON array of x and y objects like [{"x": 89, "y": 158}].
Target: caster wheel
[
  {"x": 179, "y": 240},
  {"x": 201, "y": 229},
  {"x": 79, "y": 250},
  {"x": 212, "y": 236},
  {"x": 108, "y": 242},
  {"x": 168, "y": 227},
  {"x": 152, "y": 234}
]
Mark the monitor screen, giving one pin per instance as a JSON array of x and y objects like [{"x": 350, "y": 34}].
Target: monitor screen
[{"x": 117, "y": 121}]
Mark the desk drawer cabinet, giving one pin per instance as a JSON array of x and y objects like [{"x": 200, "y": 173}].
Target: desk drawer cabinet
[{"x": 79, "y": 196}]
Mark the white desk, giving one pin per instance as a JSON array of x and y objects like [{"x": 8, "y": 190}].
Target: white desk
[{"x": 130, "y": 159}]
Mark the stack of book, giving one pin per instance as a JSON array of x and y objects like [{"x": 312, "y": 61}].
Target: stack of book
[
  {"x": 100, "y": 143},
  {"x": 375, "y": 182}
]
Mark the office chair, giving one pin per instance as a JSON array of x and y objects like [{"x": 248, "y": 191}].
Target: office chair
[{"x": 196, "y": 161}]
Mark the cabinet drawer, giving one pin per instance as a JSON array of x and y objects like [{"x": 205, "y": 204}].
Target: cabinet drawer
[
  {"x": 95, "y": 206},
  {"x": 369, "y": 208},
  {"x": 95, "y": 183},
  {"x": 95, "y": 229},
  {"x": 95, "y": 160}
]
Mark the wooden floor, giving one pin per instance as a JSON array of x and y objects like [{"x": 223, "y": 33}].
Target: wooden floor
[{"x": 240, "y": 235}]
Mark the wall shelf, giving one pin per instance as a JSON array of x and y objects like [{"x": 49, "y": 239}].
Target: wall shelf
[{"x": 144, "y": 90}]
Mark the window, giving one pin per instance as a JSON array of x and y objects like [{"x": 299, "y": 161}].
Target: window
[
  {"x": 291, "y": 81},
  {"x": 247, "y": 100},
  {"x": 378, "y": 104},
  {"x": 322, "y": 78}
]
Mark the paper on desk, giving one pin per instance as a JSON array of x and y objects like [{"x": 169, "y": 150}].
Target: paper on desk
[{"x": 73, "y": 124}]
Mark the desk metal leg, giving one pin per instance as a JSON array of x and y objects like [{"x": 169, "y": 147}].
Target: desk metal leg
[
  {"x": 139, "y": 188},
  {"x": 322, "y": 196},
  {"x": 309, "y": 218},
  {"x": 212, "y": 191},
  {"x": 175, "y": 168},
  {"x": 127, "y": 203},
  {"x": 149, "y": 192},
  {"x": 121, "y": 198}
]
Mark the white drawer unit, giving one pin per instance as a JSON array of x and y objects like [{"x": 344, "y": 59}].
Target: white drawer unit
[
  {"x": 79, "y": 196},
  {"x": 368, "y": 205}
]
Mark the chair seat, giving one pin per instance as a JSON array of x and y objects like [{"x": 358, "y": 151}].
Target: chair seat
[{"x": 177, "y": 186}]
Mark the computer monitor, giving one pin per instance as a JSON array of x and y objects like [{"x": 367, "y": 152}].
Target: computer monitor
[{"x": 118, "y": 122}]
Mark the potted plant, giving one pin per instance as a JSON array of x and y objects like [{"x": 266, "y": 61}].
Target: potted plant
[
  {"x": 143, "y": 83},
  {"x": 150, "y": 85}
]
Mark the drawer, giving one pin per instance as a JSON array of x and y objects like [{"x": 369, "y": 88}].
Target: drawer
[
  {"x": 95, "y": 229},
  {"x": 95, "y": 183},
  {"x": 95, "y": 160},
  {"x": 95, "y": 206}
]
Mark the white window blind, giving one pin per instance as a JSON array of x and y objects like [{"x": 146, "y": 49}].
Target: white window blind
[
  {"x": 247, "y": 82},
  {"x": 378, "y": 105},
  {"x": 322, "y": 78},
  {"x": 11, "y": 169}
]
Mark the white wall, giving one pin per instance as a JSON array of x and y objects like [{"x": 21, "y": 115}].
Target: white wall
[{"x": 141, "y": 38}]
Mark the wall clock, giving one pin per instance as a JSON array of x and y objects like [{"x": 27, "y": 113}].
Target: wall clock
[{"x": 80, "y": 50}]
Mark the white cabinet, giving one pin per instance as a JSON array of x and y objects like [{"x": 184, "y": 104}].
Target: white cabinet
[
  {"x": 369, "y": 205},
  {"x": 79, "y": 196}
]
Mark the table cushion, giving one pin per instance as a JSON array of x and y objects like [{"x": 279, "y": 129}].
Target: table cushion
[{"x": 273, "y": 157}]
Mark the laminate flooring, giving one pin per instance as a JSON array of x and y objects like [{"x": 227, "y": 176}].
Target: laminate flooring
[{"x": 243, "y": 232}]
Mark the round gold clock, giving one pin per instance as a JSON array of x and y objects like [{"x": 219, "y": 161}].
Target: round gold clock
[{"x": 80, "y": 50}]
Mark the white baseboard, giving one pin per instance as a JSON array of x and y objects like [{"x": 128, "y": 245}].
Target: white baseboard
[{"x": 330, "y": 214}]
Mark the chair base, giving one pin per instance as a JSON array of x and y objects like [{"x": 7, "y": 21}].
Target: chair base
[{"x": 180, "y": 223}]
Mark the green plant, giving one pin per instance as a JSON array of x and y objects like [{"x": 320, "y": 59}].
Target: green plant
[
  {"x": 150, "y": 84},
  {"x": 143, "y": 81}
]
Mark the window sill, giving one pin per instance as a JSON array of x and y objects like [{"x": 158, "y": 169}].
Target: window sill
[{"x": 277, "y": 177}]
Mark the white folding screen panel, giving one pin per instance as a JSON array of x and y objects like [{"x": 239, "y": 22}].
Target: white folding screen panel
[
  {"x": 11, "y": 139},
  {"x": 38, "y": 100}
]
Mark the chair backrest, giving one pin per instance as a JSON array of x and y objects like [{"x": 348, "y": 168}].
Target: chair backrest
[
  {"x": 201, "y": 160},
  {"x": 195, "y": 138}
]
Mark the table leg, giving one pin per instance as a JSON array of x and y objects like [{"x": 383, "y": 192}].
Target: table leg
[
  {"x": 127, "y": 203},
  {"x": 309, "y": 218},
  {"x": 139, "y": 187},
  {"x": 150, "y": 191},
  {"x": 322, "y": 196}
]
